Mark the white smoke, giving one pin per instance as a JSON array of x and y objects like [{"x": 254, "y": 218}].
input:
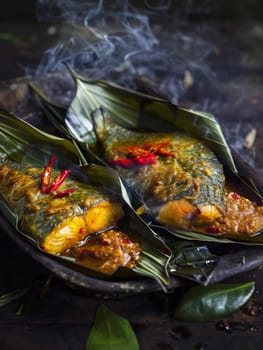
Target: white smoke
[
  {"x": 119, "y": 40},
  {"x": 116, "y": 40}
]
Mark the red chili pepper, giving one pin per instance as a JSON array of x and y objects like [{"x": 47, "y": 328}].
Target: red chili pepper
[
  {"x": 234, "y": 195},
  {"x": 58, "y": 181},
  {"x": 140, "y": 160},
  {"x": 126, "y": 240},
  {"x": 137, "y": 155},
  {"x": 136, "y": 151},
  {"x": 124, "y": 162},
  {"x": 131, "y": 162},
  {"x": 165, "y": 250},
  {"x": 65, "y": 192},
  {"x": 82, "y": 230},
  {"x": 46, "y": 174},
  {"x": 159, "y": 148},
  {"x": 213, "y": 229},
  {"x": 163, "y": 152}
]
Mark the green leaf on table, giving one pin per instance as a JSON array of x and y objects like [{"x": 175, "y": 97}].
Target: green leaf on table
[
  {"x": 111, "y": 331},
  {"x": 202, "y": 303}
]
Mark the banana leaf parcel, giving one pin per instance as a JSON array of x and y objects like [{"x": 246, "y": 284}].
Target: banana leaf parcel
[{"x": 136, "y": 112}]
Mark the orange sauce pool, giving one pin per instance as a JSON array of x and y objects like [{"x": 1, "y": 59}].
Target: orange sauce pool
[{"x": 242, "y": 216}]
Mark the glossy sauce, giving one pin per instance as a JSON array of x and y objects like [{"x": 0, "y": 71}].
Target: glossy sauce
[
  {"x": 107, "y": 252},
  {"x": 242, "y": 216}
]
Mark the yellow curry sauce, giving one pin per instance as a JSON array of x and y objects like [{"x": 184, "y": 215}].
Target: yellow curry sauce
[
  {"x": 242, "y": 216},
  {"x": 107, "y": 252}
]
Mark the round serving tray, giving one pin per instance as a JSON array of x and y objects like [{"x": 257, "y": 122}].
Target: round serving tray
[{"x": 15, "y": 97}]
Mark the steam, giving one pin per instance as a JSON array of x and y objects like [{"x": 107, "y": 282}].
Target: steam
[
  {"x": 116, "y": 41},
  {"x": 120, "y": 40}
]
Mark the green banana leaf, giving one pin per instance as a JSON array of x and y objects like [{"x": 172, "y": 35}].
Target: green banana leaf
[
  {"x": 22, "y": 143},
  {"x": 213, "y": 302},
  {"x": 111, "y": 331},
  {"x": 135, "y": 110},
  {"x": 132, "y": 110}
]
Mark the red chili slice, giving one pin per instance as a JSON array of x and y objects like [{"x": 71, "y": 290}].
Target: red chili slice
[
  {"x": 141, "y": 160},
  {"x": 58, "y": 181},
  {"x": 46, "y": 175},
  {"x": 136, "y": 151},
  {"x": 213, "y": 229},
  {"x": 124, "y": 162},
  {"x": 132, "y": 162},
  {"x": 159, "y": 148},
  {"x": 65, "y": 192},
  {"x": 234, "y": 195}
]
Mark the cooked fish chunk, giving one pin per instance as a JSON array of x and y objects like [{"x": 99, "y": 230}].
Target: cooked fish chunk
[
  {"x": 179, "y": 178},
  {"x": 58, "y": 221}
]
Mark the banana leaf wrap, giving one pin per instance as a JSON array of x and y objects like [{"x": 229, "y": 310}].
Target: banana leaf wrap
[
  {"x": 137, "y": 111},
  {"x": 23, "y": 144},
  {"x": 200, "y": 258}
]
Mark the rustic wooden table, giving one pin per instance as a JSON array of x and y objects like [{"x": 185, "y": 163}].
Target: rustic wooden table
[{"x": 62, "y": 317}]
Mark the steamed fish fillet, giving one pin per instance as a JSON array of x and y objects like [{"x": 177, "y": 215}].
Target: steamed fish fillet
[
  {"x": 182, "y": 185},
  {"x": 58, "y": 223},
  {"x": 179, "y": 178}
]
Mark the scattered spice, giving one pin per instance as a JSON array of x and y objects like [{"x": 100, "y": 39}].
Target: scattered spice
[
  {"x": 250, "y": 138},
  {"x": 230, "y": 326},
  {"x": 223, "y": 325},
  {"x": 254, "y": 309}
]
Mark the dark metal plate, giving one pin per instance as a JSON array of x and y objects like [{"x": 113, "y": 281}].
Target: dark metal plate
[{"x": 15, "y": 97}]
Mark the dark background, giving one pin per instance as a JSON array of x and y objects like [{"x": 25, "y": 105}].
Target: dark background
[
  {"x": 198, "y": 9},
  {"x": 24, "y": 36}
]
